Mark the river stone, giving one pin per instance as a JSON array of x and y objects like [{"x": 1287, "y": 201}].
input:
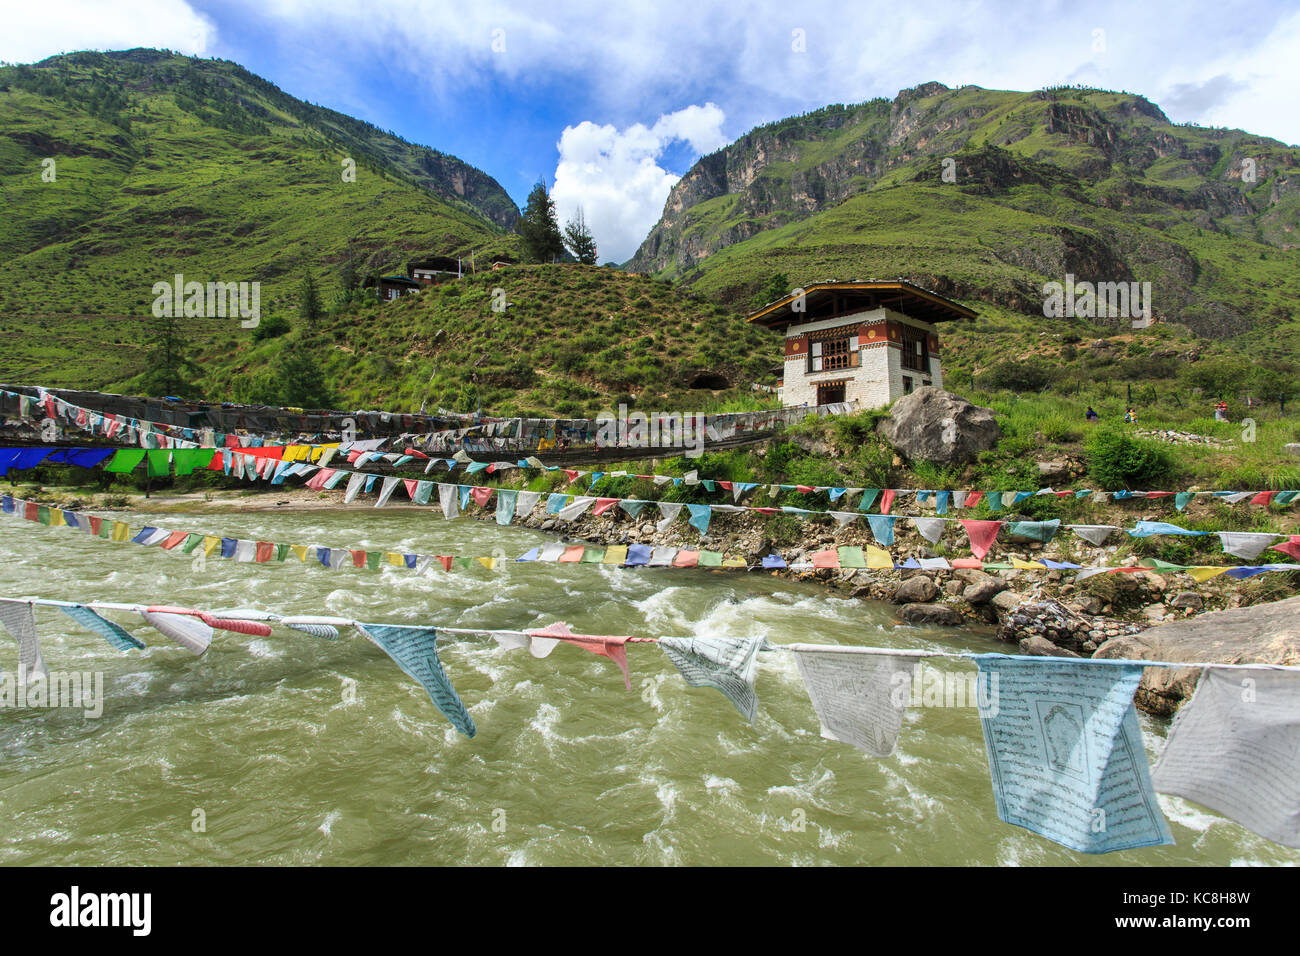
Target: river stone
[
  {"x": 1042, "y": 647},
  {"x": 940, "y": 614},
  {"x": 917, "y": 590},
  {"x": 1007, "y": 600},
  {"x": 1188, "y": 599},
  {"x": 1262, "y": 634},
  {"x": 937, "y": 426},
  {"x": 981, "y": 592}
]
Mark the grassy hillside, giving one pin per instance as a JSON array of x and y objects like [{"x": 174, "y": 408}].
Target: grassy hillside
[
  {"x": 166, "y": 164},
  {"x": 571, "y": 340}
]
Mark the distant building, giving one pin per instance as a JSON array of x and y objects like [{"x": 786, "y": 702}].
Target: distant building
[
  {"x": 434, "y": 269},
  {"x": 500, "y": 262},
  {"x": 393, "y": 287},
  {"x": 869, "y": 342}
]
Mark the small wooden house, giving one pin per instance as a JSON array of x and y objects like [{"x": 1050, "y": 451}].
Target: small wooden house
[
  {"x": 393, "y": 287},
  {"x": 434, "y": 269},
  {"x": 869, "y": 342}
]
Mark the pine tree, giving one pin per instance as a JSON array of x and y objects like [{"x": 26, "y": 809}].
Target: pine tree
[
  {"x": 309, "y": 307},
  {"x": 579, "y": 240},
  {"x": 539, "y": 228},
  {"x": 169, "y": 366}
]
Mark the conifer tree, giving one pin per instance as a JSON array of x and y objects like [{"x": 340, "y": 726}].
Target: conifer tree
[
  {"x": 579, "y": 240},
  {"x": 539, "y": 228}
]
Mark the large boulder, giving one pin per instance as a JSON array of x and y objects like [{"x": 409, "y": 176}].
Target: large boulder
[
  {"x": 937, "y": 426},
  {"x": 917, "y": 590},
  {"x": 1261, "y": 634},
  {"x": 931, "y": 614}
]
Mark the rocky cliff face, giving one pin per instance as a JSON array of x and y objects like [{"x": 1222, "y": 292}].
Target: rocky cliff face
[{"x": 1060, "y": 154}]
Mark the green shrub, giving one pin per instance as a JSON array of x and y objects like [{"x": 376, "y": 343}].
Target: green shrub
[{"x": 1118, "y": 460}]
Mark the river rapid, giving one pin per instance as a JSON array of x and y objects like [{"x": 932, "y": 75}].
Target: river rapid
[{"x": 296, "y": 750}]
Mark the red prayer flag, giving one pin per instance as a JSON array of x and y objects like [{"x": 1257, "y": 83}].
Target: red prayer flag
[
  {"x": 572, "y": 554},
  {"x": 481, "y": 495},
  {"x": 886, "y": 500},
  {"x": 265, "y": 551},
  {"x": 358, "y": 558},
  {"x": 444, "y": 560},
  {"x": 982, "y": 534},
  {"x": 603, "y": 505},
  {"x": 686, "y": 559},
  {"x": 317, "y": 481},
  {"x": 1263, "y": 498},
  {"x": 1291, "y": 548},
  {"x": 606, "y": 646},
  {"x": 974, "y": 498},
  {"x": 411, "y": 484},
  {"x": 830, "y": 558},
  {"x": 173, "y": 539}
]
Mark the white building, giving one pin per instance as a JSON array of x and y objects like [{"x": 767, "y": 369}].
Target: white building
[{"x": 869, "y": 342}]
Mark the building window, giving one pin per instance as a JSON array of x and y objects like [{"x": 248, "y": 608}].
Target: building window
[
  {"x": 916, "y": 353},
  {"x": 827, "y": 355},
  {"x": 907, "y": 385}
]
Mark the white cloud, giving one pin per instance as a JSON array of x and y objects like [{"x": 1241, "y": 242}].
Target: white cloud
[
  {"x": 614, "y": 175},
  {"x": 34, "y": 31}
]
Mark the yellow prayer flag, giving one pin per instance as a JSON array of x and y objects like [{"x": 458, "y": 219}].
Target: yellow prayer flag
[
  {"x": 733, "y": 563},
  {"x": 1026, "y": 565},
  {"x": 878, "y": 557},
  {"x": 615, "y": 554},
  {"x": 56, "y": 518},
  {"x": 1205, "y": 573},
  {"x": 121, "y": 531},
  {"x": 489, "y": 563},
  {"x": 210, "y": 544},
  {"x": 395, "y": 559},
  {"x": 300, "y": 550}
]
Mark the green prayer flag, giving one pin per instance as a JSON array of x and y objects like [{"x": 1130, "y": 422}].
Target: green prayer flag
[
  {"x": 125, "y": 460},
  {"x": 192, "y": 542},
  {"x": 43, "y": 514},
  {"x": 593, "y": 556},
  {"x": 188, "y": 460},
  {"x": 281, "y": 552},
  {"x": 710, "y": 559},
  {"x": 852, "y": 557},
  {"x": 158, "y": 462},
  {"x": 372, "y": 560},
  {"x": 1043, "y": 531}
]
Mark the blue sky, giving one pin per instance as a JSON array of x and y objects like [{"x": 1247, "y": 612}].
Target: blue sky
[{"x": 612, "y": 102}]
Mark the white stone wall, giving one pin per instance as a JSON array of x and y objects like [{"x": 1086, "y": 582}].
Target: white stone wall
[{"x": 879, "y": 378}]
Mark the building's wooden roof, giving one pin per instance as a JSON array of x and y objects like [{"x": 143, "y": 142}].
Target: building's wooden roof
[{"x": 829, "y": 299}]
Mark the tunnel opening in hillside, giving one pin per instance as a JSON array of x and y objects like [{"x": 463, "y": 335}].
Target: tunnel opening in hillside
[{"x": 712, "y": 381}]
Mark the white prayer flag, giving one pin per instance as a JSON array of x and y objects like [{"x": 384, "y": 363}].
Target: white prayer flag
[
  {"x": 859, "y": 694},
  {"x": 1235, "y": 748},
  {"x": 19, "y": 620}
]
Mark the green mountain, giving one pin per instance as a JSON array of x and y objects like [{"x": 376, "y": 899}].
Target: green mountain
[
  {"x": 119, "y": 170},
  {"x": 1094, "y": 184}
]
